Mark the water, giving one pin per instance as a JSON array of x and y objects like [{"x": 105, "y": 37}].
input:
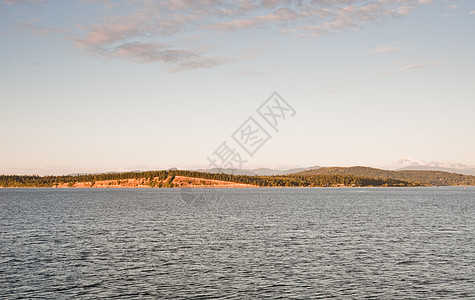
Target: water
[{"x": 238, "y": 243}]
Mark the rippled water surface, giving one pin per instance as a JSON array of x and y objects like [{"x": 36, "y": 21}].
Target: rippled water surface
[{"x": 238, "y": 243}]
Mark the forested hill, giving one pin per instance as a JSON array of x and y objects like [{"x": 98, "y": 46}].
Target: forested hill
[
  {"x": 415, "y": 176},
  {"x": 322, "y": 177},
  {"x": 178, "y": 178}
]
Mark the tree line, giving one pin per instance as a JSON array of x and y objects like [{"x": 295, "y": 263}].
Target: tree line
[
  {"x": 166, "y": 177},
  {"x": 421, "y": 177}
]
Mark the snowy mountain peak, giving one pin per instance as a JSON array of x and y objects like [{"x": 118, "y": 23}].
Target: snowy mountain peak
[{"x": 409, "y": 162}]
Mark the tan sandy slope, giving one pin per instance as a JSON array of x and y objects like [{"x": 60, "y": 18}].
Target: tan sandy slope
[{"x": 178, "y": 181}]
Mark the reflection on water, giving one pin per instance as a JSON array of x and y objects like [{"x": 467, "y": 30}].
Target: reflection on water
[{"x": 238, "y": 243}]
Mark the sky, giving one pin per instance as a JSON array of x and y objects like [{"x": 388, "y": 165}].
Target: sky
[{"x": 97, "y": 86}]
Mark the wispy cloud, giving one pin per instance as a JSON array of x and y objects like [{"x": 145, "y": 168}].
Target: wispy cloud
[
  {"x": 153, "y": 52},
  {"x": 13, "y": 2},
  {"x": 149, "y": 31},
  {"x": 472, "y": 12},
  {"x": 388, "y": 49},
  {"x": 417, "y": 65},
  {"x": 38, "y": 29}
]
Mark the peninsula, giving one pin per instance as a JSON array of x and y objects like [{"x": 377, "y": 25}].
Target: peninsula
[{"x": 320, "y": 177}]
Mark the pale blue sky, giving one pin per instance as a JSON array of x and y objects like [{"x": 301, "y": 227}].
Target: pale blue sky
[{"x": 92, "y": 86}]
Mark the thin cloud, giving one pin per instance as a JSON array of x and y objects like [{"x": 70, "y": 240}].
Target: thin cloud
[
  {"x": 153, "y": 52},
  {"x": 148, "y": 31},
  {"x": 13, "y": 2},
  {"x": 472, "y": 12},
  {"x": 424, "y": 65},
  {"x": 418, "y": 65},
  {"x": 38, "y": 30},
  {"x": 388, "y": 49}
]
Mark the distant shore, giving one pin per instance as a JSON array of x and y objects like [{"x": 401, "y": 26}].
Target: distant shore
[
  {"x": 228, "y": 187},
  {"x": 321, "y": 177}
]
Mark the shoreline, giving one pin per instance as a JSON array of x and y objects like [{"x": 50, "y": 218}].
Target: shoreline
[{"x": 226, "y": 187}]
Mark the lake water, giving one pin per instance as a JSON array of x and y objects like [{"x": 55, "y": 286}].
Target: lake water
[{"x": 349, "y": 243}]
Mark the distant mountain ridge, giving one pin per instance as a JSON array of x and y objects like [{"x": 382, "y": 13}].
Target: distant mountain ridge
[
  {"x": 258, "y": 172},
  {"x": 417, "y": 176},
  {"x": 466, "y": 171},
  {"x": 409, "y": 163}
]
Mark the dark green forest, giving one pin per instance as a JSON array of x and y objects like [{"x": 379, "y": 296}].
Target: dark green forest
[
  {"x": 295, "y": 180},
  {"x": 49, "y": 181},
  {"x": 432, "y": 178},
  {"x": 321, "y": 180},
  {"x": 322, "y": 177}
]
